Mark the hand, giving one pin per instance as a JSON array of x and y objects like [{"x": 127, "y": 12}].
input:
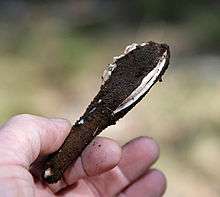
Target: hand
[{"x": 103, "y": 170}]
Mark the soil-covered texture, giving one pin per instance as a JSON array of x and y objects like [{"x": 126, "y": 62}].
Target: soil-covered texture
[{"x": 125, "y": 78}]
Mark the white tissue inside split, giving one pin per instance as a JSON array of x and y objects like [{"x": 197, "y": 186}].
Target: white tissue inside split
[{"x": 145, "y": 85}]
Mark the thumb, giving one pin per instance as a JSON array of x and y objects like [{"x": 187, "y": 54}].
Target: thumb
[{"x": 25, "y": 137}]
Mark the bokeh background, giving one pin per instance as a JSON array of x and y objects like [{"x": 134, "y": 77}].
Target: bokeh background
[{"x": 52, "y": 54}]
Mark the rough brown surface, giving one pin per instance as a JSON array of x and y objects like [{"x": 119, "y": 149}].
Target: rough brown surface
[{"x": 125, "y": 78}]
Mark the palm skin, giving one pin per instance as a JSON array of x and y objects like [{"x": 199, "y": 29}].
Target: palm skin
[{"x": 104, "y": 169}]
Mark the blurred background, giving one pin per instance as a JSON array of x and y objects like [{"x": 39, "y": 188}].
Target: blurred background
[{"x": 52, "y": 55}]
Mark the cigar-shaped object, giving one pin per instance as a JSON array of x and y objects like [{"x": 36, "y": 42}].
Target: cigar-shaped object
[{"x": 124, "y": 83}]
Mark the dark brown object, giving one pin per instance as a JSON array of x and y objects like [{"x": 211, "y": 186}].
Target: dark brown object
[{"x": 129, "y": 71}]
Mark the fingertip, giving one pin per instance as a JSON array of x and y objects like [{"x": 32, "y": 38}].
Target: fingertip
[
  {"x": 146, "y": 147},
  {"x": 158, "y": 180},
  {"x": 101, "y": 155},
  {"x": 149, "y": 145}
]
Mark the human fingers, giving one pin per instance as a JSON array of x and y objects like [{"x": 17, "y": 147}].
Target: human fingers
[{"x": 137, "y": 157}]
